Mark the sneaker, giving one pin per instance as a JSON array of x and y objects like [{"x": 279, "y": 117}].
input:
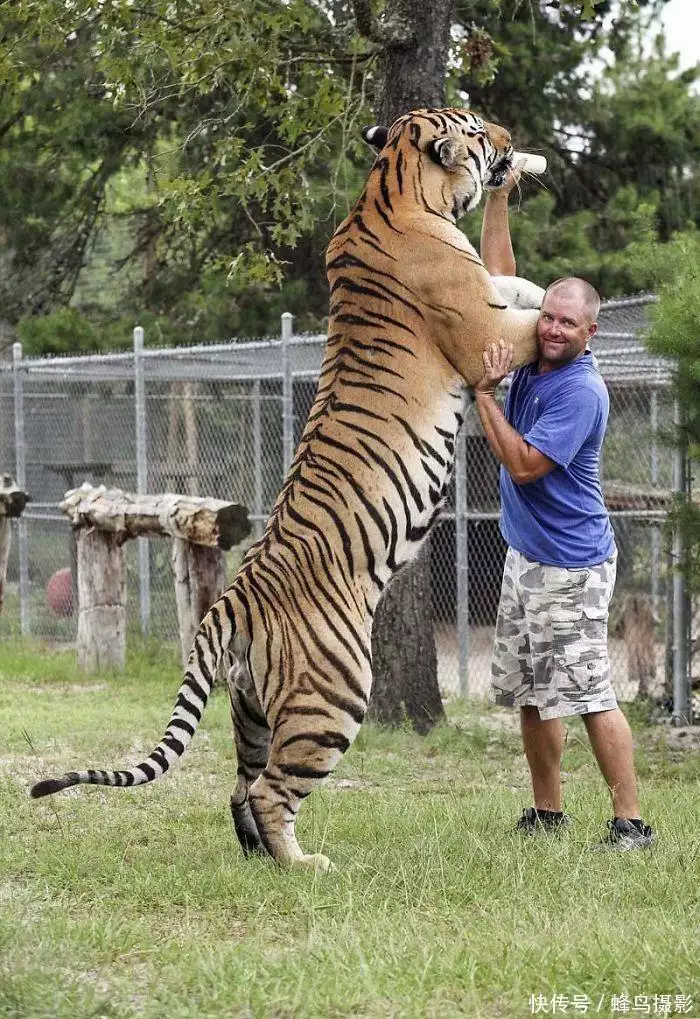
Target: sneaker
[
  {"x": 533, "y": 821},
  {"x": 625, "y": 835}
]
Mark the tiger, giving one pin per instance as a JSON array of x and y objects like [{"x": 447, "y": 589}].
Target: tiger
[{"x": 412, "y": 308}]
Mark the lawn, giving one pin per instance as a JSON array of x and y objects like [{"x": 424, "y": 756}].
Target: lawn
[{"x": 120, "y": 903}]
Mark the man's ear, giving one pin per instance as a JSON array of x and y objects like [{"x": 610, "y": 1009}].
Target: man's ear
[
  {"x": 376, "y": 136},
  {"x": 443, "y": 151}
]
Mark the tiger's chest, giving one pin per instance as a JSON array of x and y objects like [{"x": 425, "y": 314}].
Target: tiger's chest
[
  {"x": 430, "y": 453},
  {"x": 405, "y": 470}
]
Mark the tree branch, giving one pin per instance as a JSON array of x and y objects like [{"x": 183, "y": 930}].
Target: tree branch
[
  {"x": 364, "y": 19},
  {"x": 392, "y": 31}
]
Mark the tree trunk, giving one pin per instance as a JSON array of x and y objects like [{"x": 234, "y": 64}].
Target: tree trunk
[
  {"x": 414, "y": 62},
  {"x": 191, "y": 438},
  {"x": 414, "y": 38},
  {"x": 403, "y": 651},
  {"x": 101, "y": 640}
]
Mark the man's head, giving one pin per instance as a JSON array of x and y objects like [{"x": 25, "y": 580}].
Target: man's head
[{"x": 568, "y": 320}]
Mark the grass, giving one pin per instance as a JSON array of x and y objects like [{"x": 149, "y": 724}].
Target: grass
[{"x": 121, "y": 903}]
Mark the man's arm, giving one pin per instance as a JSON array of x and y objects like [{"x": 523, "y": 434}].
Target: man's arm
[
  {"x": 496, "y": 247},
  {"x": 523, "y": 462}
]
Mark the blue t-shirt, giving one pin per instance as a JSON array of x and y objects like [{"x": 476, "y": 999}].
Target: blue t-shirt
[{"x": 559, "y": 519}]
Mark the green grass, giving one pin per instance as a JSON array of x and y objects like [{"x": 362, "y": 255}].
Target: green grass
[{"x": 121, "y": 903}]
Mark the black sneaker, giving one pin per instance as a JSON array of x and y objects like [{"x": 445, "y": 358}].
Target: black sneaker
[
  {"x": 533, "y": 821},
  {"x": 625, "y": 834}
]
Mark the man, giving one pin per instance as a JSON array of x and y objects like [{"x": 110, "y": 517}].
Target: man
[{"x": 550, "y": 654}]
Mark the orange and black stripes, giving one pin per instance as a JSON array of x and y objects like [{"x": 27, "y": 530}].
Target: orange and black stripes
[{"x": 367, "y": 483}]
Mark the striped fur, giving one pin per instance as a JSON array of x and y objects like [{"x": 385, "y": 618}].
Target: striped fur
[{"x": 411, "y": 310}]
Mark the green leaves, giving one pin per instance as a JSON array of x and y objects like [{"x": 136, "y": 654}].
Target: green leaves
[
  {"x": 588, "y": 9},
  {"x": 192, "y": 136},
  {"x": 223, "y": 117}
]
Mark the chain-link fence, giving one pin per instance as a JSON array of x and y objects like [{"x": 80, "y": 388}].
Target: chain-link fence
[{"x": 224, "y": 420}]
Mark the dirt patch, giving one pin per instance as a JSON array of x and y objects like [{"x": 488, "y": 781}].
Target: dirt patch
[
  {"x": 62, "y": 688},
  {"x": 682, "y": 737}
]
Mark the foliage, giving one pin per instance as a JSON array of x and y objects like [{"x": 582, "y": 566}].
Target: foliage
[
  {"x": 595, "y": 244},
  {"x": 642, "y": 129},
  {"x": 60, "y": 144},
  {"x": 219, "y": 119},
  {"x": 185, "y": 164},
  {"x": 129, "y": 903},
  {"x": 675, "y": 333},
  {"x": 622, "y": 141}
]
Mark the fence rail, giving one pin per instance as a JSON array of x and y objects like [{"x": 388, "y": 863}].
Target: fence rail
[{"x": 223, "y": 420}]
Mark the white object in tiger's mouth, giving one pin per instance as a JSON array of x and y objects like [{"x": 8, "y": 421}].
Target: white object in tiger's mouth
[{"x": 532, "y": 163}]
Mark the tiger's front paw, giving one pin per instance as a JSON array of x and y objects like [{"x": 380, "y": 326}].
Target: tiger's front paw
[{"x": 518, "y": 292}]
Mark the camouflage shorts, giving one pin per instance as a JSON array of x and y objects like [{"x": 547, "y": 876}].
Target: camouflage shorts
[{"x": 551, "y": 646}]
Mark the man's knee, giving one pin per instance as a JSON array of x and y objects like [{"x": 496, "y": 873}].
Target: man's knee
[{"x": 606, "y": 718}]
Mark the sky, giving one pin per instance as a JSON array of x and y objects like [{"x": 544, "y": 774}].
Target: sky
[{"x": 681, "y": 19}]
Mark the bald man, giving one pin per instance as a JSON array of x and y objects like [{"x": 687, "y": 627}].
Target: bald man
[{"x": 550, "y": 655}]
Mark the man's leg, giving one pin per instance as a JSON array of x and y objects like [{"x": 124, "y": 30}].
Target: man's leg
[
  {"x": 544, "y": 747},
  {"x": 611, "y": 740}
]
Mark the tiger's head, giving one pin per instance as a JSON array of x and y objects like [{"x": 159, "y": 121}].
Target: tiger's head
[{"x": 452, "y": 155}]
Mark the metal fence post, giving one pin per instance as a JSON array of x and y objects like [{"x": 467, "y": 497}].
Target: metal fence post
[
  {"x": 682, "y": 704},
  {"x": 462, "y": 558},
  {"x": 21, "y": 479},
  {"x": 257, "y": 462},
  {"x": 655, "y": 536},
  {"x": 287, "y": 395},
  {"x": 142, "y": 477}
]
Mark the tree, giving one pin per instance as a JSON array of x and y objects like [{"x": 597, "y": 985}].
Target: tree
[
  {"x": 232, "y": 129},
  {"x": 674, "y": 268},
  {"x": 413, "y": 42}
]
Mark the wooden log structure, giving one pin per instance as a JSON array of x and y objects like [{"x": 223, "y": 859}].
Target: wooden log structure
[
  {"x": 203, "y": 521},
  {"x": 12, "y": 503},
  {"x": 621, "y": 497},
  {"x": 201, "y": 529}
]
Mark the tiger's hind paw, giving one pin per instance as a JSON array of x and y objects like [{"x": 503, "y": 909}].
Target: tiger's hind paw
[
  {"x": 246, "y": 829},
  {"x": 315, "y": 861}
]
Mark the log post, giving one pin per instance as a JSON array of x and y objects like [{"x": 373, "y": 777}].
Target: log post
[
  {"x": 12, "y": 502},
  {"x": 5, "y": 539},
  {"x": 106, "y": 518},
  {"x": 200, "y": 577},
  {"x": 101, "y": 601}
]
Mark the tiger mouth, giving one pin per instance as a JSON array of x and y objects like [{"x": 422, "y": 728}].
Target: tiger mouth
[
  {"x": 495, "y": 181},
  {"x": 498, "y": 173}
]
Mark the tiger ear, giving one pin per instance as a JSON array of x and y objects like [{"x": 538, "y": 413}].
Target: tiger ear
[
  {"x": 443, "y": 151},
  {"x": 376, "y": 136}
]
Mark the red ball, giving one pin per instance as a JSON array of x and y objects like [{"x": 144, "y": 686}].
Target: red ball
[{"x": 59, "y": 593}]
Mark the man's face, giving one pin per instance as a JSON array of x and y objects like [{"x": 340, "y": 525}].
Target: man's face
[{"x": 563, "y": 328}]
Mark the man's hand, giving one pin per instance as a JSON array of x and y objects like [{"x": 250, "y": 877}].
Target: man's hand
[{"x": 498, "y": 359}]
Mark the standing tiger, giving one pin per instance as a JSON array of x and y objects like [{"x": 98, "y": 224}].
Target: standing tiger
[{"x": 411, "y": 310}]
